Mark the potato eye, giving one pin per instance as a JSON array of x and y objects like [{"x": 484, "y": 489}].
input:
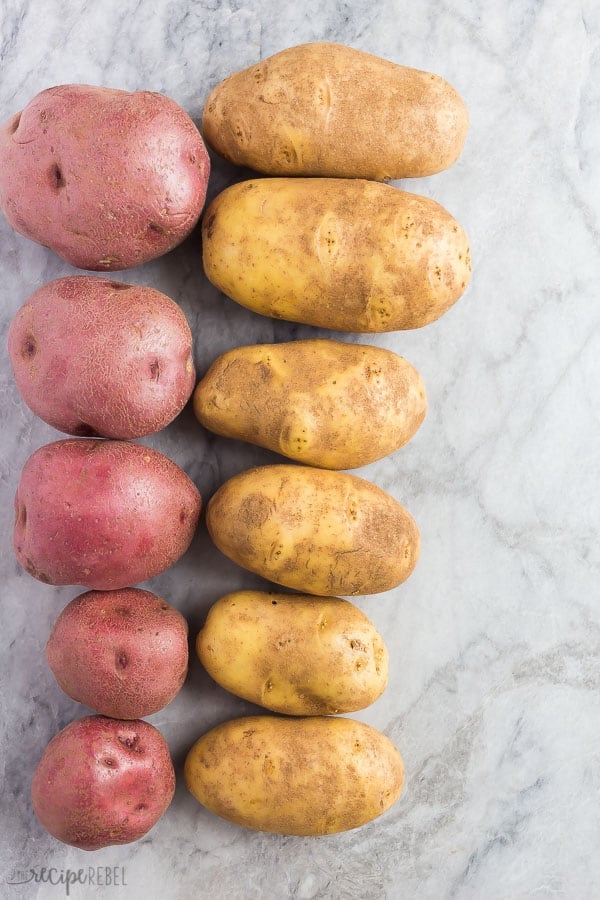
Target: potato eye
[
  {"x": 57, "y": 179},
  {"x": 29, "y": 347}
]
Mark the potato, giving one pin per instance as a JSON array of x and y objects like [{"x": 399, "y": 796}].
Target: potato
[
  {"x": 103, "y": 514},
  {"x": 313, "y": 530},
  {"x": 123, "y": 653},
  {"x": 308, "y": 776},
  {"x": 351, "y": 255},
  {"x": 96, "y": 357},
  {"x": 294, "y": 653},
  {"x": 108, "y": 179},
  {"x": 326, "y": 109},
  {"x": 321, "y": 402},
  {"x": 101, "y": 782}
]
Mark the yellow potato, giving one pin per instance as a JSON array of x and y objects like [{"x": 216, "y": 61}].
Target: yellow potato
[
  {"x": 313, "y": 530},
  {"x": 307, "y": 776},
  {"x": 320, "y": 402},
  {"x": 346, "y": 254},
  {"x": 327, "y": 109},
  {"x": 294, "y": 653}
]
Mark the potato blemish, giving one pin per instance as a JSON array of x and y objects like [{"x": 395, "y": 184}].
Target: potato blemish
[
  {"x": 29, "y": 347},
  {"x": 57, "y": 179}
]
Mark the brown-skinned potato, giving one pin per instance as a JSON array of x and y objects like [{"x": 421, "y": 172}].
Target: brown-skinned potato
[
  {"x": 323, "y": 403},
  {"x": 294, "y": 653},
  {"x": 346, "y": 254},
  {"x": 314, "y": 530},
  {"x": 326, "y": 109},
  {"x": 304, "y": 776}
]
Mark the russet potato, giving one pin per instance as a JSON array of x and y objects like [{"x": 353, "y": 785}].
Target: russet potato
[
  {"x": 346, "y": 254},
  {"x": 324, "y": 403},
  {"x": 330, "y": 110},
  {"x": 294, "y": 654},
  {"x": 304, "y": 776},
  {"x": 314, "y": 530}
]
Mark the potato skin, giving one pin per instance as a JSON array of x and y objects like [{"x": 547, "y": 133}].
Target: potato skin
[
  {"x": 108, "y": 179},
  {"x": 329, "y": 110},
  {"x": 93, "y": 357},
  {"x": 294, "y": 653},
  {"x": 103, "y": 514},
  {"x": 319, "y": 532},
  {"x": 306, "y": 776},
  {"x": 102, "y": 781},
  {"x": 350, "y": 255},
  {"x": 323, "y": 403},
  {"x": 123, "y": 653}
]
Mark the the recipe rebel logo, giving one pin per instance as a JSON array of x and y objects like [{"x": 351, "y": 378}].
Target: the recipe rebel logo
[{"x": 88, "y": 876}]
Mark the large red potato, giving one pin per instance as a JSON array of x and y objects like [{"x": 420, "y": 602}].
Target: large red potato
[
  {"x": 122, "y": 653},
  {"x": 102, "y": 781},
  {"x": 106, "y": 178},
  {"x": 103, "y": 514},
  {"x": 98, "y": 357}
]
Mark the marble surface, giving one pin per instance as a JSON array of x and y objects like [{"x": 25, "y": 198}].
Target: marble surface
[{"x": 494, "y": 694}]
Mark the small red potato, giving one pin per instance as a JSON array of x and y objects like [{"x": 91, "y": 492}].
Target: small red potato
[
  {"x": 93, "y": 357},
  {"x": 122, "y": 653},
  {"x": 108, "y": 179},
  {"x": 103, "y": 514},
  {"x": 101, "y": 782}
]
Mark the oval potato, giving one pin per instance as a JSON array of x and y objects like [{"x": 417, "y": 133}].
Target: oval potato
[
  {"x": 307, "y": 776},
  {"x": 320, "y": 402},
  {"x": 350, "y": 255},
  {"x": 327, "y": 109},
  {"x": 294, "y": 654},
  {"x": 313, "y": 530}
]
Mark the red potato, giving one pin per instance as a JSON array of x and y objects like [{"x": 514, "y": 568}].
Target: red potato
[
  {"x": 106, "y": 178},
  {"x": 103, "y": 514},
  {"x": 101, "y": 782},
  {"x": 96, "y": 357},
  {"x": 122, "y": 653}
]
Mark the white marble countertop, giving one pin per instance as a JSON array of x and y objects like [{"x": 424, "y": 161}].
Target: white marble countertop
[{"x": 494, "y": 694}]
